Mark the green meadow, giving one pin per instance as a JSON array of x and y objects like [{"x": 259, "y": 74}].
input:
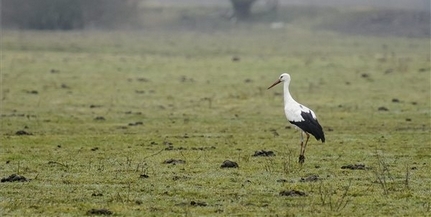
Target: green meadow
[{"x": 90, "y": 118}]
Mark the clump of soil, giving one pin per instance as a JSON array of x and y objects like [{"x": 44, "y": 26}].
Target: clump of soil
[
  {"x": 175, "y": 178},
  {"x": 99, "y": 212},
  {"x": 198, "y": 203},
  {"x": 382, "y": 108},
  {"x": 144, "y": 176},
  {"x": 229, "y": 164},
  {"x": 32, "y": 91},
  {"x": 96, "y": 194},
  {"x": 236, "y": 59},
  {"x": 204, "y": 148},
  {"x": 174, "y": 162},
  {"x": 99, "y": 118},
  {"x": 263, "y": 153},
  {"x": 172, "y": 148},
  {"x": 14, "y": 178},
  {"x": 355, "y": 167},
  {"x": 136, "y": 123},
  {"x": 192, "y": 203},
  {"x": 293, "y": 193},
  {"x": 22, "y": 133},
  {"x": 310, "y": 178},
  {"x": 142, "y": 79}
]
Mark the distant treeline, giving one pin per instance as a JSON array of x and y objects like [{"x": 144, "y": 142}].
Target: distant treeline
[{"x": 68, "y": 14}]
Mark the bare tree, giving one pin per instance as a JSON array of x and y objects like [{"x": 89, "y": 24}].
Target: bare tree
[{"x": 242, "y": 8}]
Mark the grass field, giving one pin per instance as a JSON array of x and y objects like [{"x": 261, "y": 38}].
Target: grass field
[{"x": 105, "y": 110}]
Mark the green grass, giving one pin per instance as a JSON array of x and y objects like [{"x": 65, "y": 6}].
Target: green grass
[{"x": 184, "y": 88}]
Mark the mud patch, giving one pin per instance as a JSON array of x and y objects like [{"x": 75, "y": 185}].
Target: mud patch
[
  {"x": 263, "y": 153},
  {"x": 14, "y": 178},
  {"x": 229, "y": 164},
  {"x": 99, "y": 212},
  {"x": 292, "y": 193}
]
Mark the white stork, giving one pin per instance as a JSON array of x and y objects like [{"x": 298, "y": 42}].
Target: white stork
[{"x": 300, "y": 116}]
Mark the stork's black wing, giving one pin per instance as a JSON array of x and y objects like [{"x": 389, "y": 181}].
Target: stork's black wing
[{"x": 310, "y": 125}]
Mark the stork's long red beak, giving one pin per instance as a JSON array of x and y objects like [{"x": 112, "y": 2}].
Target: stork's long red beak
[{"x": 275, "y": 83}]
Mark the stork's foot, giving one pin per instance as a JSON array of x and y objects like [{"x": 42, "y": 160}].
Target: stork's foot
[{"x": 301, "y": 159}]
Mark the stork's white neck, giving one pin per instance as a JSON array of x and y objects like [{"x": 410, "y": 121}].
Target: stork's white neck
[{"x": 287, "y": 97}]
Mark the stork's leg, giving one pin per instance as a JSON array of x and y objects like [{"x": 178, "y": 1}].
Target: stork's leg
[
  {"x": 301, "y": 155},
  {"x": 303, "y": 145},
  {"x": 306, "y": 141}
]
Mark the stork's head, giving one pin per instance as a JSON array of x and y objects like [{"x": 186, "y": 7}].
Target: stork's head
[{"x": 283, "y": 78}]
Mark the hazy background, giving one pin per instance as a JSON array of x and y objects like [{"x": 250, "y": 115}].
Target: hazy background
[{"x": 384, "y": 17}]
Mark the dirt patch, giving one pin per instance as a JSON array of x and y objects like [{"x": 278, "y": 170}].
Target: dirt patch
[
  {"x": 355, "y": 167},
  {"x": 198, "y": 203},
  {"x": 32, "y": 91},
  {"x": 175, "y": 178},
  {"x": 310, "y": 178},
  {"x": 263, "y": 153},
  {"x": 172, "y": 148},
  {"x": 142, "y": 79},
  {"x": 192, "y": 203},
  {"x": 174, "y": 161},
  {"x": 136, "y": 123},
  {"x": 22, "y": 133},
  {"x": 14, "y": 178},
  {"x": 236, "y": 59},
  {"x": 96, "y": 194},
  {"x": 95, "y": 106},
  {"x": 99, "y": 212},
  {"x": 382, "y": 108},
  {"x": 229, "y": 164},
  {"x": 99, "y": 118},
  {"x": 403, "y": 23},
  {"x": 203, "y": 148},
  {"x": 144, "y": 176},
  {"x": 292, "y": 193}
]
